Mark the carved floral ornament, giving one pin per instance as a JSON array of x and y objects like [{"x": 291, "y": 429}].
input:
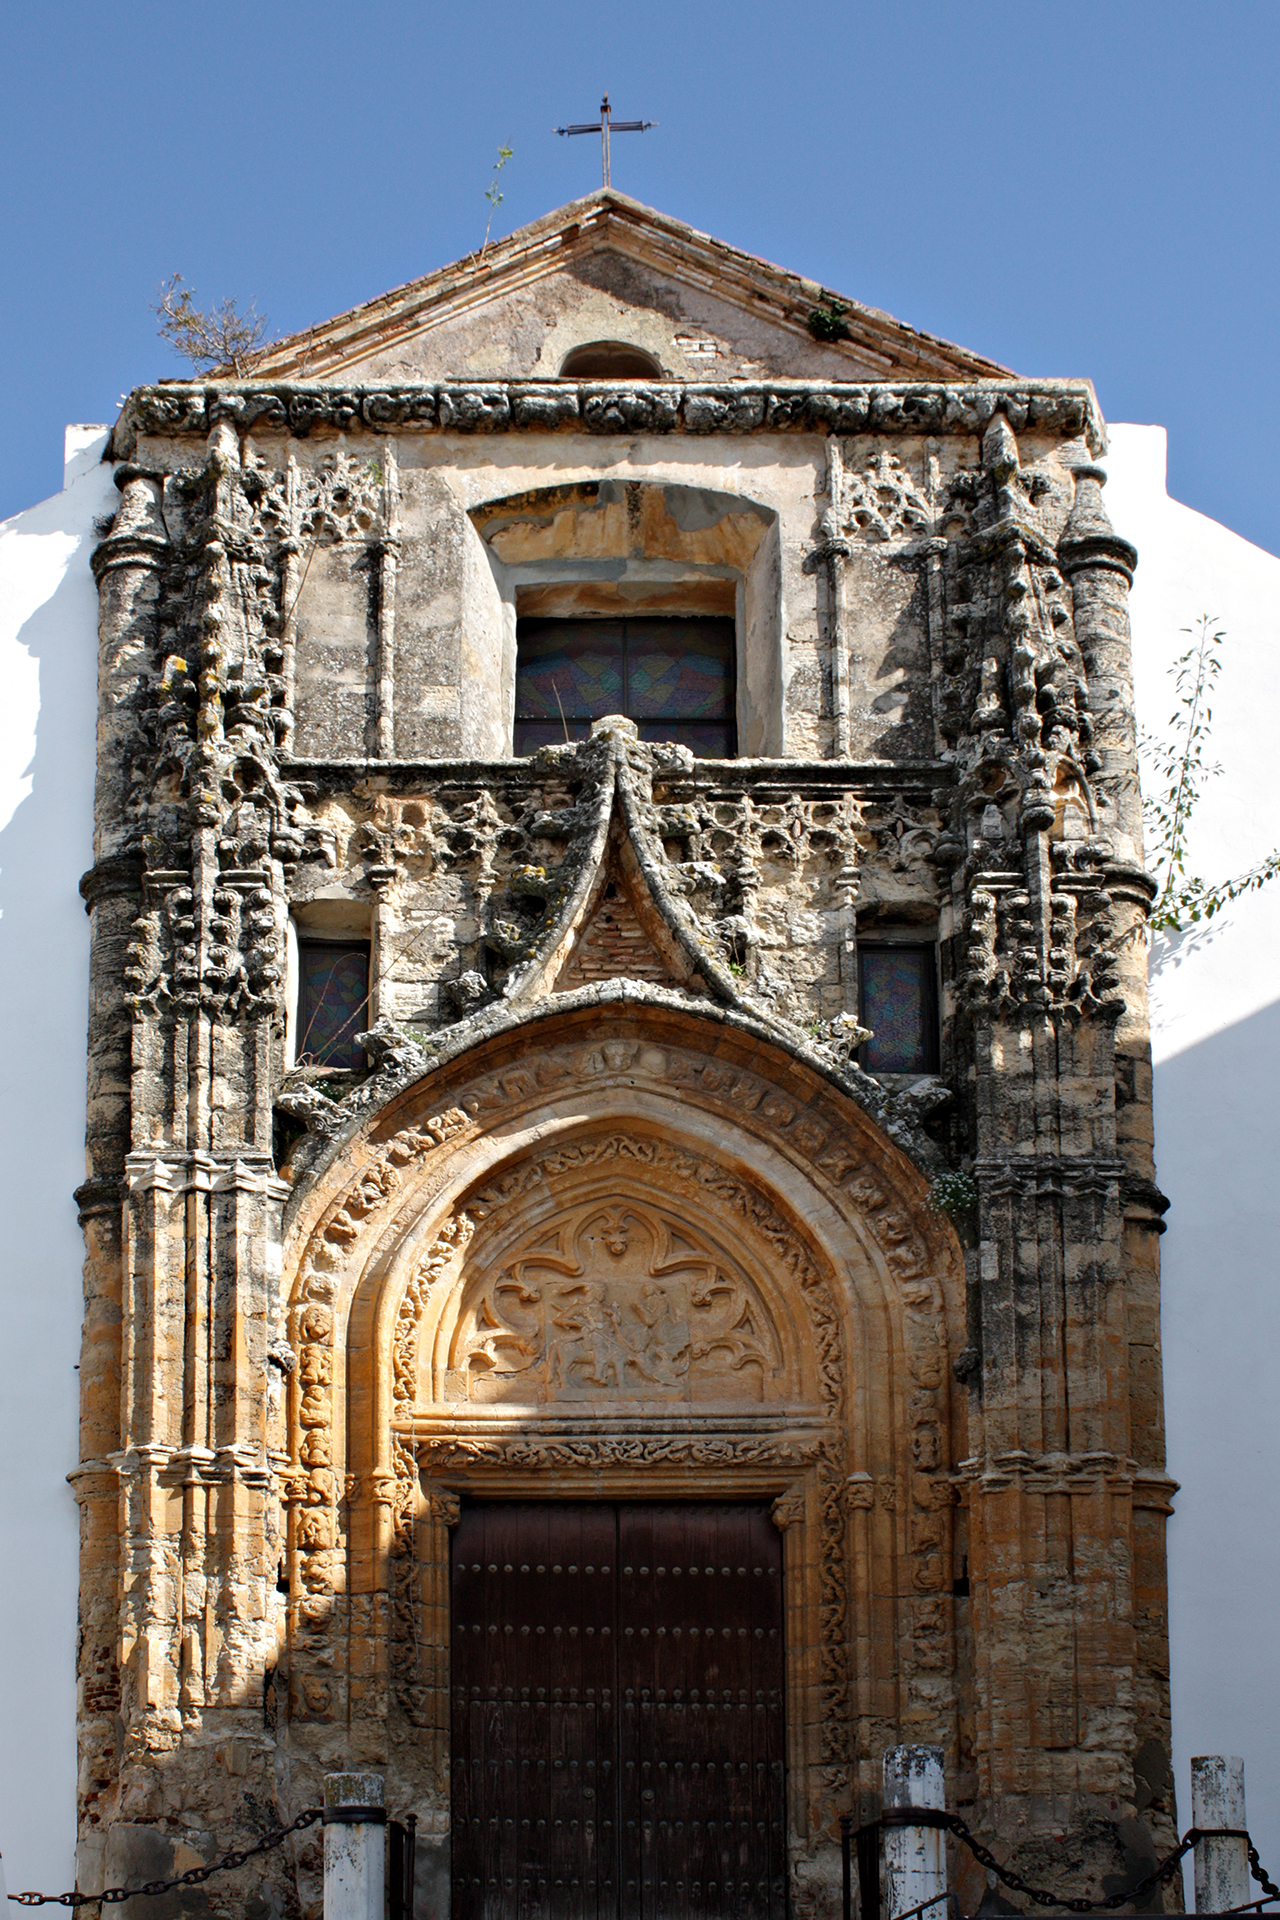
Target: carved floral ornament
[{"x": 618, "y": 1300}]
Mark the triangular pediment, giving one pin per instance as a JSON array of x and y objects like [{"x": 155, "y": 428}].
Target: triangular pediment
[{"x": 608, "y": 268}]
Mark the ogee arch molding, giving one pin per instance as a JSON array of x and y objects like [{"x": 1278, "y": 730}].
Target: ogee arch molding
[{"x": 669, "y": 1261}]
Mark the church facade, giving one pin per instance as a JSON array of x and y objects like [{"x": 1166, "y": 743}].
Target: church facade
[{"x": 622, "y": 1246}]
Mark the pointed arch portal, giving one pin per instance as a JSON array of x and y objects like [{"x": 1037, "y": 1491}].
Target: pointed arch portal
[{"x": 623, "y": 1256}]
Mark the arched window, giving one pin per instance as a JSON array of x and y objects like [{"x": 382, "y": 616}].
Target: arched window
[
  {"x": 610, "y": 360},
  {"x": 673, "y": 676}
]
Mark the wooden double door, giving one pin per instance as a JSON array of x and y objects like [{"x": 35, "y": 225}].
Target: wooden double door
[{"x": 617, "y": 1688}]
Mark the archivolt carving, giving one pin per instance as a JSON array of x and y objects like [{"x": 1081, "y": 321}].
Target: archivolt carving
[
  {"x": 379, "y": 1180},
  {"x": 426, "y": 1272},
  {"x": 592, "y": 1270},
  {"x": 712, "y": 1082},
  {"x": 311, "y": 1487}
]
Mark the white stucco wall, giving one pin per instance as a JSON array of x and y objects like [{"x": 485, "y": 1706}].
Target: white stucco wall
[
  {"x": 48, "y": 675},
  {"x": 1215, "y": 998},
  {"x": 1216, "y": 1009}
]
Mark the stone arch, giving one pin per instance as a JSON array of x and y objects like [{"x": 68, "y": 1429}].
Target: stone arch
[{"x": 780, "y": 1187}]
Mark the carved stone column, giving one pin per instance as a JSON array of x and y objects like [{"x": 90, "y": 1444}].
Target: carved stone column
[
  {"x": 201, "y": 836},
  {"x": 827, "y": 559},
  {"x": 129, "y": 567},
  {"x": 1099, "y": 566},
  {"x": 1047, "y": 911}
]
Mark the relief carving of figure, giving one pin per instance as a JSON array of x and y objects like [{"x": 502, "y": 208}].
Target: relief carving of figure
[{"x": 618, "y": 1301}]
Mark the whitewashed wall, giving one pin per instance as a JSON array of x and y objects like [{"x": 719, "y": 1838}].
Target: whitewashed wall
[
  {"x": 1215, "y": 1000},
  {"x": 1216, "y": 1015},
  {"x": 48, "y": 675}
]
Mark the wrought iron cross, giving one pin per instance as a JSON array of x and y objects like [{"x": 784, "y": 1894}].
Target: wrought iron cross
[{"x": 602, "y": 127}]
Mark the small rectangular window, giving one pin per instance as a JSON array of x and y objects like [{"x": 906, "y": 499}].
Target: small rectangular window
[
  {"x": 333, "y": 1002},
  {"x": 674, "y": 677},
  {"x": 898, "y": 1000}
]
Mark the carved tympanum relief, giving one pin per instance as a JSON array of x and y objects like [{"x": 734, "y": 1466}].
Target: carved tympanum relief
[{"x": 619, "y": 1301}]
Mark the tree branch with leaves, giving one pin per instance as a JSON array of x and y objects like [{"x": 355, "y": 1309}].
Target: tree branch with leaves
[
  {"x": 209, "y": 337},
  {"x": 1176, "y": 772}
]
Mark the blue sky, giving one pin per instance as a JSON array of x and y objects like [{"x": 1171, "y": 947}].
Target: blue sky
[{"x": 1073, "y": 189}]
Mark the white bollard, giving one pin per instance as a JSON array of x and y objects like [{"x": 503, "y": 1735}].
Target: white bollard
[
  {"x": 355, "y": 1836},
  {"x": 915, "y": 1857},
  {"x": 1222, "y": 1865}
]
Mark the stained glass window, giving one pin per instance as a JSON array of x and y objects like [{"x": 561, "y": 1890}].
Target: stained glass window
[
  {"x": 673, "y": 677},
  {"x": 333, "y": 990},
  {"x": 899, "y": 1004}
]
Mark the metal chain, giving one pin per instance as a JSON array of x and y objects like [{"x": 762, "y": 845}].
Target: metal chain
[
  {"x": 1073, "y": 1904},
  {"x": 1270, "y": 1890},
  {"x": 194, "y": 1877}
]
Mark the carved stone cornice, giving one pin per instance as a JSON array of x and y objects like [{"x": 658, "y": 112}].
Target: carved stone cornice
[
  {"x": 596, "y": 1452},
  {"x": 1104, "y": 550},
  {"x": 1046, "y": 1173},
  {"x": 1054, "y": 1473},
  {"x": 1089, "y": 539},
  {"x": 1144, "y": 1202},
  {"x": 763, "y": 778},
  {"x": 128, "y": 550},
  {"x": 94, "y": 1480},
  {"x": 240, "y": 1172},
  {"x": 138, "y": 538},
  {"x": 185, "y": 1466},
  {"x": 1067, "y": 408}
]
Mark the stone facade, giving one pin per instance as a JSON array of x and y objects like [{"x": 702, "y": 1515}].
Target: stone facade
[{"x": 614, "y": 1013}]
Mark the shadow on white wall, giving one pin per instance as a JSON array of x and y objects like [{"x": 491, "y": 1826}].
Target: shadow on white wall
[
  {"x": 1215, "y": 1022},
  {"x": 48, "y": 695},
  {"x": 1218, "y": 1134}
]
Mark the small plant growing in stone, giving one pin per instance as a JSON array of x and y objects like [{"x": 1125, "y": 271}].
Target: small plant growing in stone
[
  {"x": 1177, "y": 773},
  {"x": 956, "y": 1196},
  {"x": 492, "y": 195},
  {"x": 209, "y": 337},
  {"x": 827, "y": 320}
]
